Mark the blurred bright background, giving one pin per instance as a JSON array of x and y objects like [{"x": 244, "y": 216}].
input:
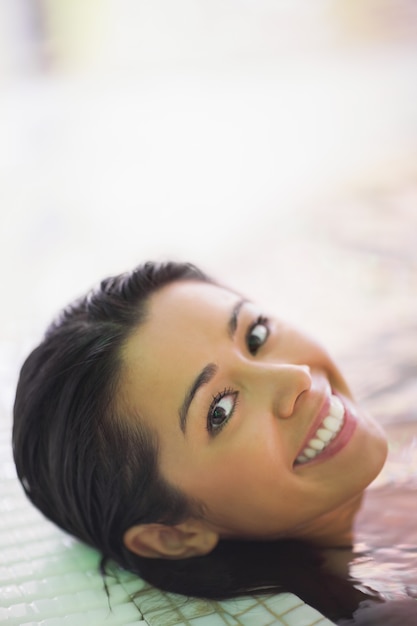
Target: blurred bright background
[{"x": 272, "y": 142}]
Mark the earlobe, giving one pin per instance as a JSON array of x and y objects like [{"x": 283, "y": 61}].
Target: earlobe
[{"x": 181, "y": 541}]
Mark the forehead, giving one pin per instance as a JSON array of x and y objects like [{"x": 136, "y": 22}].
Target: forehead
[
  {"x": 174, "y": 342},
  {"x": 188, "y": 300},
  {"x": 185, "y": 305}
]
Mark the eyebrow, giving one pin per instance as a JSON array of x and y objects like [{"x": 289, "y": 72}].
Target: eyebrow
[
  {"x": 232, "y": 324},
  {"x": 209, "y": 371},
  {"x": 203, "y": 378}
]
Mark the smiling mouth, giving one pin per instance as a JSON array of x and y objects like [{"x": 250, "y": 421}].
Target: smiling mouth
[{"x": 326, "y": 432}]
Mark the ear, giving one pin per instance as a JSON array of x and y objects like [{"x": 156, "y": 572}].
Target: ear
[{"x": 186, "y": 539}]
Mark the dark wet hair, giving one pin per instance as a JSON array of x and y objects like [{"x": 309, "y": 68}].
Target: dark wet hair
[
  {"x": 93, "y": 470},
  {"x": 81, "y": 461}
]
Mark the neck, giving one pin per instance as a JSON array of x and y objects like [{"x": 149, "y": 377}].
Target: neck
[{"x": 333, "y": 529}]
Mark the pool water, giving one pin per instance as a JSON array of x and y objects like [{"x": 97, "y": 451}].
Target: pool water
[
  {"x": 384, "y": 556},
  {"x": 385, "y": 551},
  {"x": 372, "y": 254}
]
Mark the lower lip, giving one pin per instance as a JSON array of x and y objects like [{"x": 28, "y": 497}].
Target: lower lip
[{"x": 339, "y": 442}]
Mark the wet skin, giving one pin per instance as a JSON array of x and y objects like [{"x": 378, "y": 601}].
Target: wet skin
[{"x": 234, "y": 395}]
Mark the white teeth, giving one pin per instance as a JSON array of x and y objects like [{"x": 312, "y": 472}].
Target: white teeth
[
  {"x": 331, "y": 423},
  {"x": 336, "y": 408},
  {"x": 328, "y": 430},
  {"x": 324, "y": 434},
  {"x": 316, "y": 444},
  {"x": 301, "y": 459}
]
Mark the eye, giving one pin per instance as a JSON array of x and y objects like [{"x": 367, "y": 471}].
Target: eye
[
  {"x": 257, "y": 335},
  {"x": 221, "y": 410}
]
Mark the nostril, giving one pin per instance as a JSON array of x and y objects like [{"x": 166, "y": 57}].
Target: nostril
[{"x": 293, "y": 382}]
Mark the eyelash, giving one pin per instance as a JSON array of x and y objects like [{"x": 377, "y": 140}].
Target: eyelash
[
  {"x": 234, "y": 395},
  {"x": 261, "y": 321},
  {"x": 213, "y": 429}
]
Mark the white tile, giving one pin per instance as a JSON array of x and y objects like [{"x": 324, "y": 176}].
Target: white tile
[
  {"x": 238, "y": 605},
  {"x": 208, "y": 620},
  {"x": 301, "y": 616},
  {"x": 258, "y": 616},
  {"x": 282, "y": 602}
]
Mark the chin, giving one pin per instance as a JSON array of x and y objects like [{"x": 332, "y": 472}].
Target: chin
[{"x": 373, "y": 452}]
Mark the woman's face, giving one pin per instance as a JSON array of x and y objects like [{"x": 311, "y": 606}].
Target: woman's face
[{"x": 254, "y": 419}]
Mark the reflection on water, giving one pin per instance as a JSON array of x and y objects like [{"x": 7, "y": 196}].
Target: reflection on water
[
  {"x": 381, "y": 366},
  {"x": 385, "y": 555},
  {"x": 383, "y": 565},
  {"x": 385, "y": 551}
]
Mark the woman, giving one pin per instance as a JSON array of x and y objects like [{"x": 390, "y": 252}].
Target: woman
[{"x": 169, "y": 423}]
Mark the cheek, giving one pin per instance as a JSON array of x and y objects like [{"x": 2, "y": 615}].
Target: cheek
[
  {"x": 323, "y": 361},
  {"x": 250, "y": 475},
  {"x": 304, "y": 350}
]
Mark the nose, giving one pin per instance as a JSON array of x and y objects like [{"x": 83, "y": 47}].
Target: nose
[
  {"x": 291, "y": 382},
  {"x": 277, "y": 385}
]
